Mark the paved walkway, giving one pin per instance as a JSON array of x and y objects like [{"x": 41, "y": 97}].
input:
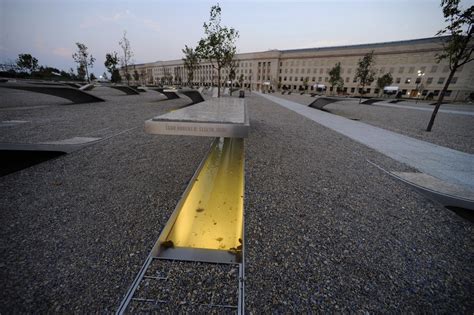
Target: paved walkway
[
  {"x": 446, "y": 164},
  {"x": 427, "y": 109}
]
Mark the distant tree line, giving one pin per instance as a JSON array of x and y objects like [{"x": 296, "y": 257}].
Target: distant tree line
[{"x": 27, "y": 67}]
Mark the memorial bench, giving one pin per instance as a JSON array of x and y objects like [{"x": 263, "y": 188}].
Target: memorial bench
[
  {"x": 194, "y": 95},
  {"x": 217, "y": 117},
  {"x": 138, "y": 88},
  {"x": 72, "y": 84},
  {"x": 320, "y": 102},
  {"x": 87, "y": 87},
  {"x": 371, "y": 101},
  {"x": 74, "y": 95},
  {"x": 125, "y": 88},
  {"x": 211, "y": 208}
]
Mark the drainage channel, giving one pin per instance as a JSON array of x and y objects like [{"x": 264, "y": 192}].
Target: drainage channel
[
  {"x": 206, "y": 227},
  {"x": 198, "y": 262}
]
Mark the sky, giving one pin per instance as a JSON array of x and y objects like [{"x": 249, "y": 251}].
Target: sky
[{"x": 159, "y": 29}]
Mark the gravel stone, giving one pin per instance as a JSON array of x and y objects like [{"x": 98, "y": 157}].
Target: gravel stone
[{"x": 325, "y": 230}]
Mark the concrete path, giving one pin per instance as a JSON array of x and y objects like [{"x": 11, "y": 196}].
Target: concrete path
[
  {"x": 446, "y": 164},
  {"x": 430, "y": 109}
]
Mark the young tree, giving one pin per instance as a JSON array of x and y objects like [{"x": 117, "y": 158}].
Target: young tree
[
  {"x": 27, "y": 62},
  {"x": 92, "y": 77},
  {"x": 458, "y": 48},
  {"x": 82, "y": 58},
  {"x": 104, "y": 76},
  {"x": 232, "y": 73},
  {"x": 136, "y": 75},
  {"x": 241, "y": 81},
  {"x": 143, "y": 77},
  {"x": 384, "y": 81},
  {"x": 72, "y": 75},
  {"x": 219, "y": 44},
  {"x": 335, "y": 78},
  {"x": 126, "y": 58},
  {"x": 305, "y": 84},
  {"x": 111, "y": 62},
  {"x": 116, "y": 78},
  {"x": 365, "y": 72},
  {"x": 191, "y": 62},
  {"x": 81, "y": 73}
]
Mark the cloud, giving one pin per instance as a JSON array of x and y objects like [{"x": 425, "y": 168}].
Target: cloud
[
  {"x": 98, "y": 20},
  {"x": 151, "y": 24},
  {"x": 62, "y": 52},
  {"x": 40, "y": 45}
]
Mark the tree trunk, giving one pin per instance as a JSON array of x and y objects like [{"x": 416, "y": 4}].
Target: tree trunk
[
  {"x": 87, "y": 74},
  {"x": 360, "y": 94},
  {"x": 218, "y": 82},
  {"x": 440, "y": 99}
]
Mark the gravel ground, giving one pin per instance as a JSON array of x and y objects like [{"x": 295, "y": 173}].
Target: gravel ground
[
  {"x": 450, "y": 130},
  {"x": 188, "y": 287},
  {"x": 325, "y": 230}
]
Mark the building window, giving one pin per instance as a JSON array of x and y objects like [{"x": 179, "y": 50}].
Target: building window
[
  {"x": 314, "y": 79},
  {"x": 326, "y": 79},
  {"x": 418, "y": 80},
  {"x": 392, "y": 70},
  {"x": 400, "y": 70},
  {"x": 354, "y": 80},
  {"x": 296, "y": 71},
  {"x": 377, "y": 90},
  {"x": 424, "y": 93},
  {"x": 315, "y": 70},
  {"x": 429, "y": 80},
  {"x": 353, "y": 90},
  {"x": 408, "y": 80},
  {"x": 345, "y": 90},
  {"x": 301, "y": 79},
  {"x": 320, "y": 79},
  {"x": 308, "y": 70},
  {"x": 291, "y": 78},
  {"x": 454, "y": 80},
  {"x": 448, "y": 93},
  {"x": 321, "y": 71},
  {"x": 281, "y": 64},
  {"x": 284, "y": 79},
  {"x": 398, "y": 80},
  {"x": 441, "y": 80},
  {"x": 349, "y": 71},
  {"x": 436, "y": 93},
  {"x": 368, "y": 90},
  {"x": 445, "y": 69},
  {"x": 291, "y": 70},
  {"x": 347, "y": 80}
]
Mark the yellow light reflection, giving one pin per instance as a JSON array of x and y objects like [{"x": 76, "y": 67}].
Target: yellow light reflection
[{"x": 211, "y": 216}]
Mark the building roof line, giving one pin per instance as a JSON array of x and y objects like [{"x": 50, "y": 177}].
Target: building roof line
[{"x": 373, "y": 45}]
